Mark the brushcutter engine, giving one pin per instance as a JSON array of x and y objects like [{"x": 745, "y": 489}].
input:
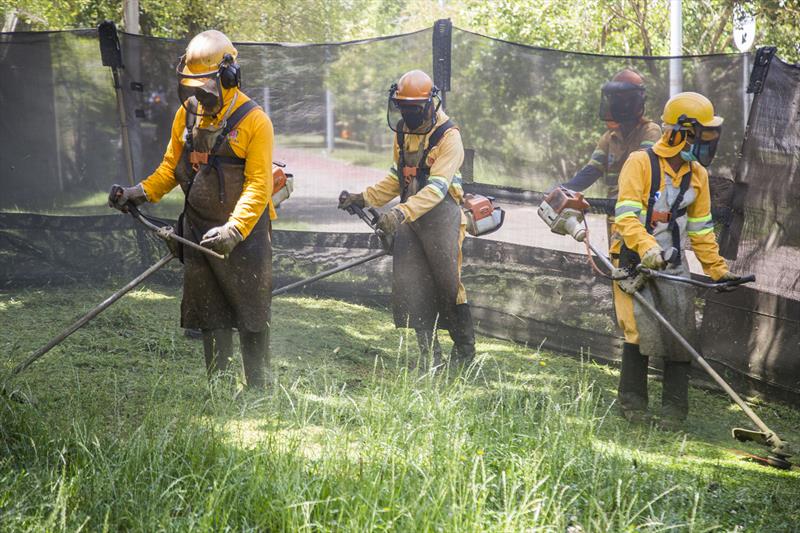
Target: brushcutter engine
[
  {"x": 562, "y": 210},
  {"x": 282, "y": 184},
  {"x": 483, "y": 216}
]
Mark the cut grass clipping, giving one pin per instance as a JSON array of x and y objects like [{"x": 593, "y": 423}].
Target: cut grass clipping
[{"x": 124, "y": 434}]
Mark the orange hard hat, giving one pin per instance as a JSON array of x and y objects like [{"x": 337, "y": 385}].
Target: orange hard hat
[
  {"x": 414, "y": 85},
  {"x": 628, "y": 75}
]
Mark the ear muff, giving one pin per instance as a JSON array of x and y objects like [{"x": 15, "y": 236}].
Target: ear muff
[{"x": 230, "y": 74}]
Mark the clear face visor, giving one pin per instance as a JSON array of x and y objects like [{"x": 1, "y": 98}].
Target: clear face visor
[
  {"x": 704, "y": 141},
  {"x": 621, "y": 102},
  {"x": 417, "y": 116},
  {"x": 206, "y": 87}
]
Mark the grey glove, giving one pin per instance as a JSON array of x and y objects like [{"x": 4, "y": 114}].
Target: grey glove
[
  {"x": 653, "y": 259},
  {"x": 347, "y": 199},
  {"x": 119, "y": 196},
  {"x": 389, "y": 222},
  {"x": 728, "y": 276},
  {"x": 222, "y": 239}
]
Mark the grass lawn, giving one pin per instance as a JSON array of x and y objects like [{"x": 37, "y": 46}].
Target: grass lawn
[{"x": 123, "y": 433}]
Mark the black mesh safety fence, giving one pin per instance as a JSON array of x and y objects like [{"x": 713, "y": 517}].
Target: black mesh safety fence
[{"x": 529, "y": 116}]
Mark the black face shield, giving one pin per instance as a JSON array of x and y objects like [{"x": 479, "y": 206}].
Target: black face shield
[
  {"x": 621, "y": 101},
  {"x": 418, "y": 115}
]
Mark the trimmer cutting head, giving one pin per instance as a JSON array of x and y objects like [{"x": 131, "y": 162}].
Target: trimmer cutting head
[{"x": 779, "y": 449}]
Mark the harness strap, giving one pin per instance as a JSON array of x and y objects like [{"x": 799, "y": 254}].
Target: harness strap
[
  {"x": 420, "y": 172},
  {"x": 655, "y": 186},
  {"x": 233, "y": 121},
  {"x": 675, "y": 211}
]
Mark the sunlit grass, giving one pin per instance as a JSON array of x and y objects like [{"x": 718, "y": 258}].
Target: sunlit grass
[{"x": 125, "y": 434}]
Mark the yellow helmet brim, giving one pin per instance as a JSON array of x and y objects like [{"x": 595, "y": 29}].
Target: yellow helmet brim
[{"x": 714, "y": 123}]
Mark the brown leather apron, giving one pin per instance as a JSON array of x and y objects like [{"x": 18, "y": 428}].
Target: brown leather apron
[
  {"x": 426, "y": 275},
  {"x": 230, "y": 293}
]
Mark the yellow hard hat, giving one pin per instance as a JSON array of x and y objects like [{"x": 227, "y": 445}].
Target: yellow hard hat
[
  {"x": 414, "y": 85},
  {"x": 204, "y": 54},
  {"x": 688, "y": 108}
]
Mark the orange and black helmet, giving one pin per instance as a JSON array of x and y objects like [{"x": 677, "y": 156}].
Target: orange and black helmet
[
  {"x": 412, "y": 97},
  {"x": 622, "y": 99},
  {"x": 414, "y": 86}
]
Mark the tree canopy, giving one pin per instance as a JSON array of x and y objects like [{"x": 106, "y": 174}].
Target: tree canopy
[{"x": 626, "y": 27}]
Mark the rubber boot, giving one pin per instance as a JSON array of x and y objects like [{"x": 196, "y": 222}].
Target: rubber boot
[
  {"x": 217, "y": 349},
  {"x": 430, "y": 350},
  {"x": 632, "y": 392},
  {"x": 675, "y": 394},
  {"x": 463, "y": 334},
  {"x": 255, "y": 357}
]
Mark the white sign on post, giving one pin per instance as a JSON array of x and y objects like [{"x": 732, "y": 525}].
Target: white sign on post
[{"x": 744, "y": 28}]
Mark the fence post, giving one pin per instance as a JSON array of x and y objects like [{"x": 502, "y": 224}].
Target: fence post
[
  {"x": 732, "y": 231},
  {"x": 442, "y": 44}
]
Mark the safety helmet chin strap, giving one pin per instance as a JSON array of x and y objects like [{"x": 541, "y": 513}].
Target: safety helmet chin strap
[{"x": 678, "y": 128}]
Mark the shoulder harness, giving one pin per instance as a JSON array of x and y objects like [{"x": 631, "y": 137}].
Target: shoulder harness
[
  {"x": 422, "y": 170},
  {"x": 670, "y": 217}
]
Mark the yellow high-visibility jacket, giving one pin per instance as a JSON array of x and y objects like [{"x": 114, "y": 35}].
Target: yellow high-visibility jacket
[
  {"x": 444, "y": 160},
  {"x": 631, "y": 208},
  {"x": 252, "y": 140}
]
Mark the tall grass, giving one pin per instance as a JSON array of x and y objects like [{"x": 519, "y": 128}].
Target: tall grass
[{"x": 489, "y": 448}]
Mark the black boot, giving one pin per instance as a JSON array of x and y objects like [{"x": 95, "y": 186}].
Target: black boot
[
  {"x": 430, "y": 350},
  {"x": 675, "y": 393},
  {"x": 632, "y": 392},
  {"x": 462, "y": 332},
  {"x": 255, "y": 357},
  {"x": 217, "y": 349}
]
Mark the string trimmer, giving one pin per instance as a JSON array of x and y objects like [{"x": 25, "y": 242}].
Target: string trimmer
[
  {"x": 165, "y": 232},
  {"x": 371, "y": 220},
  {"x": 563, "y": 211}
]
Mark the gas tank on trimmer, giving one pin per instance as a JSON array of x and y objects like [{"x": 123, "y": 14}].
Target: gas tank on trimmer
[{"x": 483, "y": 216}]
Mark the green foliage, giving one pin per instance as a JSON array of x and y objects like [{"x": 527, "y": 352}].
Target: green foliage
[
  {"x": 628, "y": 27},
  {"x": 124, "y": 434}
]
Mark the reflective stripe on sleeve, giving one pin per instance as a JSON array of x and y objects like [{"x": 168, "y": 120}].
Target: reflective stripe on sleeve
[
  {"x": 699, "y": 225},
  {"x": 626, "y": 209},
  {"x": 438, "y": 184}
]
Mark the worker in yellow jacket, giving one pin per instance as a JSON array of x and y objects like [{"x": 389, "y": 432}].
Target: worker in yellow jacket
[
  {"x": 622, "y": 106},
  {"x": 220, "y": 153},
  {"x": 664, "y": 203},
  {"x": 427, "y": 292}
]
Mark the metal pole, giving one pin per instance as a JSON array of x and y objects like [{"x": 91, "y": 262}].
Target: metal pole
[
  {"x": 266, "y": 100},
  {"x": 745, "y": 96},
  {"x": 689, "y": 348},
  {"x": 675, "y": 47},
  {"x": 130, "y": 15},
  {"x": 91, "y": 314},
  {"x": 331, "y": 272},
  {"x": 123, "y": 126},
  {"x": 329, "y": 121}
]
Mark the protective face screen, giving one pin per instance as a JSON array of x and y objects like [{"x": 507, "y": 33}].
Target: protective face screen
[{"x": 621, "y": 102}]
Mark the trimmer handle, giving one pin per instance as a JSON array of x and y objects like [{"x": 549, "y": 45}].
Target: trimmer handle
[
  {"x": 750, "y": 278},
  {"x": 387, "y": 241},
  {"x": 725, "y": 286}
]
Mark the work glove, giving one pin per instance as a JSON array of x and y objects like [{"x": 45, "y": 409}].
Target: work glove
[
  {"x": 119, "y": 196},
  {"x": 390, "y": 221},
  {"x": 347, "y": 199},
  {"x": 653, "y": 259},
  {"x": 728, "y": 276},
  {"x": 222, "y": 239}
]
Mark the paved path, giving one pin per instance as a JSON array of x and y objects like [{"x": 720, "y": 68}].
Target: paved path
[{"x": 319, "y": 179}]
